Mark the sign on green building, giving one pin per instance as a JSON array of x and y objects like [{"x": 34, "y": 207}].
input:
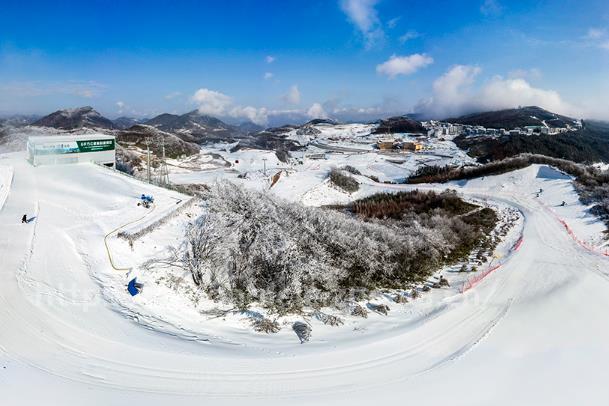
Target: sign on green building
[{"x": 95, "y": 145}]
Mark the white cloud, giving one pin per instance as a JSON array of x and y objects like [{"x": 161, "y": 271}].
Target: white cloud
[
  {"x": 85, "y": 89},
  {"x": 597, "y": 37},
  {"x": 403, "y": 65},
  {"x": 269, "y": 59},
  {"x": 220, "y": 105},
  {"x": 454, "y": 94},
  {"x": 268, "y": 75},
  {"x": 596, "y": 33},
  {"x": 120, "y": 105},
  {"x": 212, "y": 102},
  {"x": 531, "y": 74},
  {"x": 501, "y": 93},
  {"x": 408, "y": 36},
  {"x": 393, "y": 22},
  {"x": 317, "y": 111},
  {"x": 255, "y": 115},
  {"x": 172, "y": 95},
  {"x": 363, "y": 15},
  {"x": 491, "y": 7},
  {"x": 293, "y": 95}
]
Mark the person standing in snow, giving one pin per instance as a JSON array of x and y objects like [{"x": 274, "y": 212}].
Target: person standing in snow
[{"x": 24, "y": 219}]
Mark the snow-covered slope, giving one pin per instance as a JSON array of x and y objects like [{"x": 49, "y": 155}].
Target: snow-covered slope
[
  {"x": 533, "y": 332},
  {"x": 6, "y": 178}
]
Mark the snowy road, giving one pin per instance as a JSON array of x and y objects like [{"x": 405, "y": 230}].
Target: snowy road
[{"x": 533, "y": 332}]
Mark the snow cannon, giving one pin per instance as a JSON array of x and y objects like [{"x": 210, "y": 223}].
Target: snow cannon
[
  {"x": 146, "y": 200},
  {"x": 134, "y": 287}
]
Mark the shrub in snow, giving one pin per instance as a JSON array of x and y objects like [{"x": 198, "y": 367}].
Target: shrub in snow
[
  {"x": 345, "y": 182},
  {"x": 125, "y": 167},
  {"x": 328, "y": 319},
  {"x": 379, "y": 308},
  {"x": 264, "y": 325},
  {"x": 352, "y": 170},
  {"x": 414, "y": 293},
  {"x": 359, "y": 311},
  {"x": 400, "y": 298},
  {"x": 302, "y": 330}
]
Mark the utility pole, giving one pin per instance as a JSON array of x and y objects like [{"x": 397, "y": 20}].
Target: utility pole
[{"x": 148, "y": 154}]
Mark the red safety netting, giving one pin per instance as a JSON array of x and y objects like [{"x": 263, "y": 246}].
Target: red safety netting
[{"x": 474, "y": 280}]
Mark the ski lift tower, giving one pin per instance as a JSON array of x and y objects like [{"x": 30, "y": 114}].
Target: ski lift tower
[
  {"x": 164, "y": 172},
  {"x": 148, "y": 157}
]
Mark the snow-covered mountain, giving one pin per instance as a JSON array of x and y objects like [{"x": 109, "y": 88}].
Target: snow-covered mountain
[
  {"x": 196, "y": 127},
  {"x": 18, "y": 120},
  {"x": 174, "y": 146},
  {"x": 519, "y": 117},
  {"x": 400, "y": 124},
  {"x": 122, "y": 123},
  {"x": 70, "y": 119}
]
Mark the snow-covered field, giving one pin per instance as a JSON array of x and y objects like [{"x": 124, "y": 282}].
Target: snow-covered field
[
  {"x": 303, "y": 177},
  {"x": 531, "y": 332}
]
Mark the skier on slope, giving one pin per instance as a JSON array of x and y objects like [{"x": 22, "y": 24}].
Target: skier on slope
[{"x": 24, "y": 219}]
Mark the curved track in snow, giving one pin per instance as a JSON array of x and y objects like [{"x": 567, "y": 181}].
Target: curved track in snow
[{"x": 536, "y": 324}]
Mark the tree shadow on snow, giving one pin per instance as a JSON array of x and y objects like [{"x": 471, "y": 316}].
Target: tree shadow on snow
[{"x": 546, "y": 172}]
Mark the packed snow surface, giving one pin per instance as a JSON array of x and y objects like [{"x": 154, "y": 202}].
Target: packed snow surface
[{"x": 533, "y": 332}]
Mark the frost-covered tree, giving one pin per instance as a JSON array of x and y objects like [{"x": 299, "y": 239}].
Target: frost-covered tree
[{"x": 250, "y": 246}]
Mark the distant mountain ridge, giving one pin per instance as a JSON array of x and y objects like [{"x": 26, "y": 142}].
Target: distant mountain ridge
[
  {"x": 518, "y": 117},
  {"x": 71, "y": 119},
  {"x": 196, "y": 127},
  {"x": 122, "y": 123},
  {"x": 19, "y": 120}
]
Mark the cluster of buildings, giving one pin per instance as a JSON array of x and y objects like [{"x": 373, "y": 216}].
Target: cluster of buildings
[
  {"x": 441, "y": 129},
  {"x": 392, "y": 144}
]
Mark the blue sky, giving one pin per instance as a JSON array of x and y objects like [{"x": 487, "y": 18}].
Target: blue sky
[{"x": 340, "y": 58}]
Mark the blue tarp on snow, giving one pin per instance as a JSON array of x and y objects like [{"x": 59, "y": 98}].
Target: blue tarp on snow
[{"x": 133, "y": 287}]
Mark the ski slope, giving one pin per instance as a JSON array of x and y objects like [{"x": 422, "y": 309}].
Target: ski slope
[
  {"x": 6, "y": 178},
  {"x": 534, "y": 332}
]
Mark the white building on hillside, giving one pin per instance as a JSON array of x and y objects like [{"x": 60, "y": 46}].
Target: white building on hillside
[{"x": 68, "y": 149}]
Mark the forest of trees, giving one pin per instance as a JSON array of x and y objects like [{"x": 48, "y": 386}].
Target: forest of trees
[
  {"x": 252, "y": 247},
  {"x": 588, "y": 145}
]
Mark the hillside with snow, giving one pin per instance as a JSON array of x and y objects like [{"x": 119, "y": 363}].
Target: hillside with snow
[{"x": 526, "y": 317}]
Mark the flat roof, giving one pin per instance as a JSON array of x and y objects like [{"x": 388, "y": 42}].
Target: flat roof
[{"x": 36, "y": 139}]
